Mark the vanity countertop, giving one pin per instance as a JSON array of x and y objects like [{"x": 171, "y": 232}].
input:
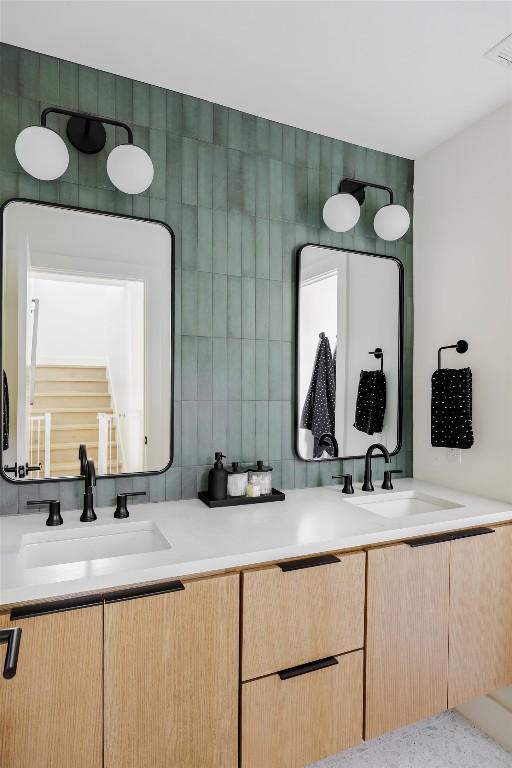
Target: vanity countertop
[{"x": 200, "y": 540}]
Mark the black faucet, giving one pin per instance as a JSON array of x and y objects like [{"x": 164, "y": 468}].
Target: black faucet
[
  {"x": 88, "y": 471},
  {"x": 326, "y": 441},
  {"x": 368, "y": 485}
]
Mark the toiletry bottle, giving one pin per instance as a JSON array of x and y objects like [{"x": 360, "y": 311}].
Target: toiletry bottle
[{"x": 218, "y": 479}]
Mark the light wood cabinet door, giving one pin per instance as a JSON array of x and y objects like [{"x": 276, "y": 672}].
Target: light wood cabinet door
[
  {"x": 293, "y": 722},
  {"x": 291, "y": 617},
  {"x": 51, "y": 711},
  {"x": 480, "y": 615},
  {"x": 171, "y": 678},
  {"x": 407, "y": 635}
]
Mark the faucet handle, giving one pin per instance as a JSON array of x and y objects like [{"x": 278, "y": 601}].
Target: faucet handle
[
  {"x": 54, "y": 517},
  {"x": 347, "y": 485},
  {"x": 121, "y": 509},
  {"x": 387, "y": 485}
]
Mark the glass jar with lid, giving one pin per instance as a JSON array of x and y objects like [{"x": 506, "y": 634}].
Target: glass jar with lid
[
  {"x": 262, "y": 476},
  {"x": 237, "y": 481}
]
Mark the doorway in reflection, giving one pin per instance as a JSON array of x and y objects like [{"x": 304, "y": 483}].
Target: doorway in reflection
[{"x": 85, "y": 376}]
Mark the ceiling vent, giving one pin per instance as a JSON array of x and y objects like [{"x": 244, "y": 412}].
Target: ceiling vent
[{"x": 501, "y": 53}]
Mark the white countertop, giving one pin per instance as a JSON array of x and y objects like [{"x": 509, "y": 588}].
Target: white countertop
[{"x": 204, "y": 540}]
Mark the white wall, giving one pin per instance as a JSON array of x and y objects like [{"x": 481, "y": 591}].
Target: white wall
[
  {"x": 68, "y": 332},
  {"x": 463, "y": 290}
]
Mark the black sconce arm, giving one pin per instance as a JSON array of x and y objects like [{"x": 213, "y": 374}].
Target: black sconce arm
[
  {"x": 356, "y": 188},
  {"x": 86, "y": 132}
]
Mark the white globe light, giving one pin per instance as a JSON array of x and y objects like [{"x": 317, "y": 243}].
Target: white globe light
[
  {"x": 41, "y": 152},
  {"x": 341, "y": 212},
  {"x": 130, "y": 169},
  {"x": 391, "y": 222}
]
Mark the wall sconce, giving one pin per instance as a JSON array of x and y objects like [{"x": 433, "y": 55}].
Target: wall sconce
[
  {"x": 43, "y": 154},
  {"x": 341, "y": 211}
]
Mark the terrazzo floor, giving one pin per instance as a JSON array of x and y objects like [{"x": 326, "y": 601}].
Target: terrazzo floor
[{"x": 445, "y": 741}]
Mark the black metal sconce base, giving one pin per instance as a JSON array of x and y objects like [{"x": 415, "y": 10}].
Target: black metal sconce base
[
  {"x": 357, "y": 189},
  {"x": 86, "y": 135},
  {"x": 354, "y": 188}
]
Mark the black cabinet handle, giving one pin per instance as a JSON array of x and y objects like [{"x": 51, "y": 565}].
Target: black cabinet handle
[
  {"x": 311, "y": 666},
  {"x": 12, "y": 637},
  {"x": 89, "y": 601},
  {"x": 145, "y": 590},
  {"x": 472, "y": 532},
  {"x": 308, "y": 562},
  {"x": 440, "y": 538}
]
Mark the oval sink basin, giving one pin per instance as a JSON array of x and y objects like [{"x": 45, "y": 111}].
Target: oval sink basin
[
  {"x": 402, "y": 504},
  {"x": 91, "y": 543}
]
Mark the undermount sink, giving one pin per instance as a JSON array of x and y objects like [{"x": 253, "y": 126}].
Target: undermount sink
[
  {"x": 402, "y": 504},
  {"x": 91, "y": 543}
]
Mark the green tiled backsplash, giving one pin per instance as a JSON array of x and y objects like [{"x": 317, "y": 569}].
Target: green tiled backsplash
[{"x": 241, "y": 193}]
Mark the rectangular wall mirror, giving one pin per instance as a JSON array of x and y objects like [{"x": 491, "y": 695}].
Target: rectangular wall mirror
[
  {"x": 349, "y": 352},
  {"x": 87, "y": 341}
]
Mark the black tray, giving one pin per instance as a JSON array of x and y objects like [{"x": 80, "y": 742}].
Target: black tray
[{"x": 234, "y": 501}]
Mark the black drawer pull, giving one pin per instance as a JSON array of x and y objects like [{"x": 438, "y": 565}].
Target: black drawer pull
[
  {"x": 87, "y": 601},
  {"x": 311, "y": 666},
  {"x": 146, "y": 590},
  {"x": 55, "y": 606},
  {"x": 440, "y": 538},
  {"x": 472, "y": 532},
  {"x": 12, "y": 637},
  {"x": 308, "y": 562}
]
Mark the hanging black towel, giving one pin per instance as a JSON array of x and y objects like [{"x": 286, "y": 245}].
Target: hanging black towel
[
  {"x": 5, "y": 413},
  {"x": 371, "y": 402},
  {"x": 452, "y": 408},
  {"x": 318, "y": 413}
]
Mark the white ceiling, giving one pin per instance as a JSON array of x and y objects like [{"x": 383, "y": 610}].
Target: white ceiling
[{"x": 396, "y": 76}]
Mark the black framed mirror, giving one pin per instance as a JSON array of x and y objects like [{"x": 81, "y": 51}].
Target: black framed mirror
[
  {"x": 87, "y": 342},
  {"x": 349, "y": 352}
]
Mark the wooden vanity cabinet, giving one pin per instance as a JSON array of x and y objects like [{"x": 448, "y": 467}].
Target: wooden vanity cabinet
[
  {"x": 302, "y": 663},
  {"x": 294, "y": 721},
  {"x": 480, "y": 615},
  {"x": 300, "y": 611},
  {"x": 171, "y": 677},
  {"x": 439, "y": 625},
  {"x": 407, "y": 635},
  {"x": 51, "y": 711}
]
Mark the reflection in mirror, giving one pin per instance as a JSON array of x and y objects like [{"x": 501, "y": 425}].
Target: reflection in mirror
[
  {"x": 349, "y": 353},
  {"x": 86, "y": 342}
]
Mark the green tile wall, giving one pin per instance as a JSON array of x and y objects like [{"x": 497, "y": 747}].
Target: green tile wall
[{"x": 241, "y": 193}]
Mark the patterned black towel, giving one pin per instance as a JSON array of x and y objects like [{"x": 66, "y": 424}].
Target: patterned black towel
[
  {"x": 371, "y": 402},
  {"x": 318, "y": 413},
  {"x": 452, "y": 408}
]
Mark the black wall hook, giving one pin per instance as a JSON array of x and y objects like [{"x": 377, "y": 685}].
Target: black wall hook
[
  {"x": 461, "y": 346},
  {"x": 378, "y": 355}
]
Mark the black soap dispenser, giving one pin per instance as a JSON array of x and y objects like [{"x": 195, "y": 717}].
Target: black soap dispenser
[{"x": 218, "y": 479}]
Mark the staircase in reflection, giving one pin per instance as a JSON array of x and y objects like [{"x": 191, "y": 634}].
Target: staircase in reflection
[{"x": 74, "y": 396}]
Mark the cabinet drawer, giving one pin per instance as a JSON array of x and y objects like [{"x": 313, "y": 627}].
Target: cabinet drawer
[
  {"x": 292, "y": 617},
  {"x": 288, "y": 723}
]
